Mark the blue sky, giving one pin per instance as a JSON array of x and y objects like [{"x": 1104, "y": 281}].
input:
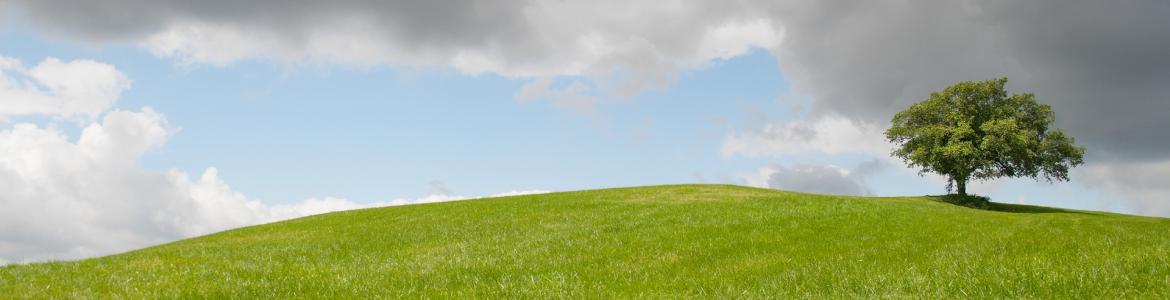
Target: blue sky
[
  {"x": 283, "y": 133},
  {"x": 257, "y": 115}
]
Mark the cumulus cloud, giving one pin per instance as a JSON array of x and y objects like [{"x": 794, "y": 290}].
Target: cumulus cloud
[
  {"x": 828, "y": 134},
  {"x": 67, "y": 199},
  {"x": 77, "y": 88},
  {"x": 818, "y": 179}
]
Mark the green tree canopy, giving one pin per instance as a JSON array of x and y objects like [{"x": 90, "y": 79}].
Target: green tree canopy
[{"x": 975, "y": 130}]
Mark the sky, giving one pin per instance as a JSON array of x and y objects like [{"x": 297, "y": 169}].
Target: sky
[{"x": 125, "y": 124}]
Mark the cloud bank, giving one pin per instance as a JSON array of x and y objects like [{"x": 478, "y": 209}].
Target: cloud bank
[{"x": 623, "y": 47}]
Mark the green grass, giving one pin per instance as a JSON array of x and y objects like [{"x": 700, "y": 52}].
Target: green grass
[{"x": 681, "y": 241}]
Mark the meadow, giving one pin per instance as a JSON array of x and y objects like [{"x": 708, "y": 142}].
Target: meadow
[{"x": 681, "y": 241}]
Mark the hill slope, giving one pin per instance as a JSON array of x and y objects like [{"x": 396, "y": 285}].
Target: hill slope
[{"x": 690, "y": 240}]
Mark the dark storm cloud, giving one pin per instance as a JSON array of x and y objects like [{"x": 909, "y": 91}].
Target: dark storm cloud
[
  {"x": 1103, "y": 65},
  {"x": 647, "y": 43},
  {"x": 419, "y": 22},
  {"x": 417, "y": 29}
]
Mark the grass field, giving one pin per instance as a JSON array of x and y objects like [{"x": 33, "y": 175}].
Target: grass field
[{"x": 644, "y": 242}]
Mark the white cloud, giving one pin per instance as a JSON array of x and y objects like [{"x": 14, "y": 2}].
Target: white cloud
[
  {"x": 736, "y": 38},
  {"x": 571, "y": 97},
  {"x": 520, "y": 193},
  {"x": 1140, "y": 185},
  {"x": 218, "y": 45},
  {"x": 78, "y": 88},
  {"x": 819, "y": 179},
  {"x": 828, "y": 134}
]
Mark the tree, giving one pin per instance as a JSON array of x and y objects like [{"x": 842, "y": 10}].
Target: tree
[{"x": 974, "y": 131}]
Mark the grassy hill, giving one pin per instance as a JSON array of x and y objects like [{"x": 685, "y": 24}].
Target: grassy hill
[{"x": 663, "y": 241}]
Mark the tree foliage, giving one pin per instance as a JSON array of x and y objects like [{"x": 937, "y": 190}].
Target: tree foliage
[{"x": 974, "y": 130}]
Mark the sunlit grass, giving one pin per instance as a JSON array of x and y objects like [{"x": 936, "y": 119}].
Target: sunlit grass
[{"x": 667, "y": 241}]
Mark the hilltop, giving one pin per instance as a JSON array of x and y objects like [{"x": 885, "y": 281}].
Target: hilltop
[{"x": 661, "y": 241}]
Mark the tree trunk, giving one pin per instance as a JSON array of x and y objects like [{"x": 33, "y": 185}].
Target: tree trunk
[{"x": 961, "y": 185}]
